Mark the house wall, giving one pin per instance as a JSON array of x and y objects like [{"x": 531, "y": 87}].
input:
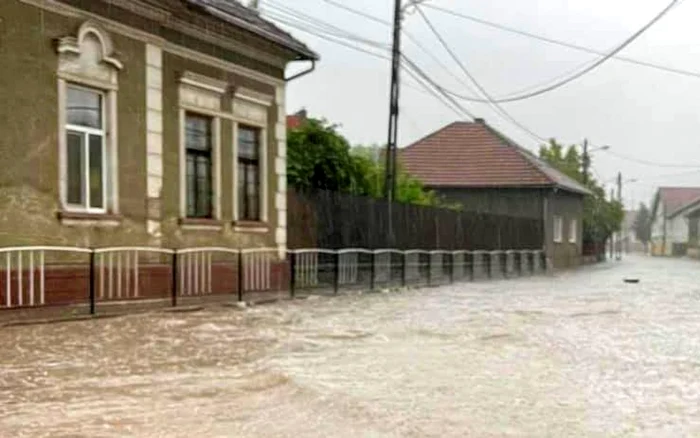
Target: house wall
[
  {"x": 658, "y": 233},
  {"x": 508, "y": 201},
  {"x": 29, "y": 194},
  {"x": 569, "y": 207},
  {"x": 676, "y": 236},
  {"x": 533, "y": 203},
  {"x": 149, "y": 213}
]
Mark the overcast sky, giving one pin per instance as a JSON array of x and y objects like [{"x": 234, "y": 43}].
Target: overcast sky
[{"x": 641, "y": 112}]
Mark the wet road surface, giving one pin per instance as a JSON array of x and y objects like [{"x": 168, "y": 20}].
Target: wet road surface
[{"x": 578, "y": 354}]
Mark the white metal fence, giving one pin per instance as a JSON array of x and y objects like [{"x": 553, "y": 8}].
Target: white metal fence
[{"x": 44, "y": 275}]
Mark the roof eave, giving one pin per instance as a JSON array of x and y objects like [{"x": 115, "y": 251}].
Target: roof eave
[{"x": 303, "y": 53}]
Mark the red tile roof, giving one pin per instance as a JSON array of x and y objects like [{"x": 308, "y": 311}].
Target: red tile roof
[
  {"x": 297, "y": 119},
  {"x": 466, "y": 154},
  {"x": 294, "y": 121},
  {"x": 675, "y": 198}
]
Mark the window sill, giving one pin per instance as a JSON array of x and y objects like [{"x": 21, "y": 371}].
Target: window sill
[
  {"x": 201, "y": 224},
  {"x": 250, "y": 227},
  {"x": 83, "y": 219}
]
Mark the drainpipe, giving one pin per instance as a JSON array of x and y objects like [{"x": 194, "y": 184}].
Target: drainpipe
[{"x": 302, "y": 73}]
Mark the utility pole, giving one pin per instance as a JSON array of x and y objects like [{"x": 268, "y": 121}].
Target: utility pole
[
  {"x": 612, "y": 236},
  {"x": 619, "y": 198},
  {"x": 391, "y": 144},
  {"x": 586, "y": 161}
]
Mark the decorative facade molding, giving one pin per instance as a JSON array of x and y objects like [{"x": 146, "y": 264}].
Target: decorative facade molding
[
  {"x": 78, "y": 45},
  {"x": 204, "y": 82},
  {"x": 253, "y": 96},
  {"x": 140, "y": 8},
  {"x": 88, "y": 60}
]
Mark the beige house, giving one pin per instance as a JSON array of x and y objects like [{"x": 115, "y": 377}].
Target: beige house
[{"x": 143, "y": 122}]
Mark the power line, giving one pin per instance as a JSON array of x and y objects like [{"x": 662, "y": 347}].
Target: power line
[
  {"x": 561, "y": 43},
  {"x": 476, "y": 83},
  {"x": 652, "y": 163},
  {"x": 278, "y": 11},
  {"x": 408, "y": 35},
  {"x": 412, "y": 67},
  {"x": 588, "y": 69},
  {"x": 358, "y": 12},
  {"x": 426, "y": 82}
]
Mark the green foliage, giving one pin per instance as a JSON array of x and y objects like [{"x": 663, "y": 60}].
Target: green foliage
[
  {"x": 318, "y": 157},
  {"x": 601, "y": 217},
  {"x": 642, "y": 224}
]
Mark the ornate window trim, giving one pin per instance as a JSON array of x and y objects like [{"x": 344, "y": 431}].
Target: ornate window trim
[
  {"x": 79, "y": 65},
  {"x": 202, "y": 95},
  {"x": 251, "y": 108}
]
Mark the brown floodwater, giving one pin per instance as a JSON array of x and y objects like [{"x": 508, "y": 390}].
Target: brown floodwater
[{"x": 579, "y": 354}]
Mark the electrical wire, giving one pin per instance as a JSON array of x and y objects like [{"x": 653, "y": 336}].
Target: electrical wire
[
  {"x": 359, "y": 12},
  {"x": 577, "y": 75},
  {"x": 420, "y": 78},
  {"x": 561, "y": 43},
  {"x": 476, "y": 83},
  {"x": 651, "y": 163},
  {"x": 282, "y": 12}
]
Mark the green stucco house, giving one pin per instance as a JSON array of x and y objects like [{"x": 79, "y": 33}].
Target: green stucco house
[{"x": 143, "y": 122}]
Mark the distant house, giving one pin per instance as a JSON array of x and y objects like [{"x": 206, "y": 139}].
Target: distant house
[
  {"x": 674, "y": 211},
  {"x": 297, "y": 119},
  {"x": 477, "y": 166}
]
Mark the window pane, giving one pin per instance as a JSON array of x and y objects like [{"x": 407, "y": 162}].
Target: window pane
[
  {"x": 198, "y": 132},
  {"x": 84, "y": 108},
  {"x": 204, "y": 187},
  {"x": 248, "y": 142},
  {"x": 241, "y": 191},
  {"x": 191, "y": 187},
  {"x": 96, "y": 172},
  {"x": 75, "y": 169}
]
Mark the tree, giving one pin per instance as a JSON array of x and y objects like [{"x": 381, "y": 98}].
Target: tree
[
  {"x": 601, "y": 217},
  {"x": 642, "y": 224},
  {"x": 318, "y": 157}
]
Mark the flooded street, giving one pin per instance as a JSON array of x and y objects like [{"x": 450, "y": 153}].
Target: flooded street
[{"x": 580, "y": 354}]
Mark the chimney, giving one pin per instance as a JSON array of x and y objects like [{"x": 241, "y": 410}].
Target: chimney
[{"x": 480, "y": 121}]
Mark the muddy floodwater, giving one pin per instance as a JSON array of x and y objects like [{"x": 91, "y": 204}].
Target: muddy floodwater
[{"x": 578, "y": 354}]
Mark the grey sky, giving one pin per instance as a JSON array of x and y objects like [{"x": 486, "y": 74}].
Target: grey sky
[{"x": 644, "y": 113}]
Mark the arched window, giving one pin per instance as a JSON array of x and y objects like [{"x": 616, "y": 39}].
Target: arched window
[{"x": 87, "y": 92}]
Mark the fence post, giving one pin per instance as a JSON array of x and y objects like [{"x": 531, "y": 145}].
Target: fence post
[
  {"x": 489, "y": 260},
  {"x": 173, "y": 279},
  {"x": 403, "y": 269},
  {"x": 240, "y": 276},
  {"x": 371, "y": 270},
  {"x": 472, "y": 263},
  {"x": 92, "y": 282},
  {"x": 430, "y": 267},
  {"x": 452, "y": 267},
  {"x": 292, "y": 273},
  {"x": 336, "y": 272}
]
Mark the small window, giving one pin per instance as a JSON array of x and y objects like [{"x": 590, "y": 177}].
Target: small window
[
  {"x": 573, "y": 231},
  {"x": 85, "y": 155},
  {"x": 248, "y": 173},
  {"x": 558, "y": 229},
  {"x": 198, "y": 145}
]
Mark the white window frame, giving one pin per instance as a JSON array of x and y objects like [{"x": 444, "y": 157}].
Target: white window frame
[
  {"x": 558, "y": 229},
  {"x": 86, "y": 132},
  {"x": 97, "y": 76},
  {"x": 246, "y": 98},
  {"x": 573, "y": 231}
]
